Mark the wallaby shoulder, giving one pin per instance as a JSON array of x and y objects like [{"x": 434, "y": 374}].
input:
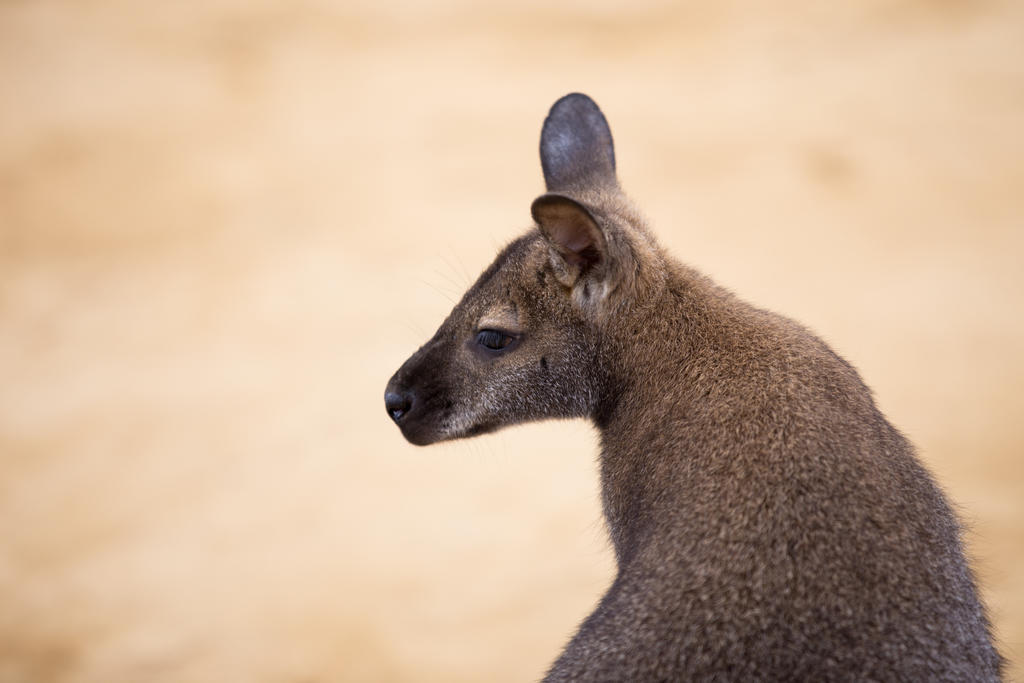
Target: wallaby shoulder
[{"x": 750, "y": 481}]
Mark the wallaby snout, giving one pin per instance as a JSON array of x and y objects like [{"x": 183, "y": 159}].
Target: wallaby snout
[
  {"x": 767, "y": 520},
  {"x": 411, "y": 397},
  {"x": 398, "y": 404}
]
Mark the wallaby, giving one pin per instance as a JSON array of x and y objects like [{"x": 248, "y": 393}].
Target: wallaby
[{"x": 767, "y": 520}]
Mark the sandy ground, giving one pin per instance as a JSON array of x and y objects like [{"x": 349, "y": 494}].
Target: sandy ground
[{"x": 223, "y": 225}]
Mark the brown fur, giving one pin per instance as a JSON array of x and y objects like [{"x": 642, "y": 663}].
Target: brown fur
[{"x": 768, "y": 522}]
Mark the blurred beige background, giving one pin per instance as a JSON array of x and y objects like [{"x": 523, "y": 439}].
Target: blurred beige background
[{"x": 223, "y": 225}]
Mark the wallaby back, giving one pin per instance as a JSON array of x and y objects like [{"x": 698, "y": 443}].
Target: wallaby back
[{"x": 768, "y": 522}]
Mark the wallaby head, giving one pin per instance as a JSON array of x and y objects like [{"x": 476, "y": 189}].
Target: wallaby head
[
  {"x": 768, "y": 522},
  {"x": 522, "y": 344}
]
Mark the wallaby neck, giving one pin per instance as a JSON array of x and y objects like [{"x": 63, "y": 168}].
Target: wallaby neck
[{"x": 655, "y": 371}]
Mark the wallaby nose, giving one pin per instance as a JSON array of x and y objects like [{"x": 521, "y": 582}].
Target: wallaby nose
[{"x": 397, "y": 404}]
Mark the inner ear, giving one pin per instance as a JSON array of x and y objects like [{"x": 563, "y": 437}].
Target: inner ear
[{"x": 570, "y": 229}]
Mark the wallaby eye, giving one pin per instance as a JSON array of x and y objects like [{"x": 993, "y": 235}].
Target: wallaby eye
[{"x": 494, "y": 340}]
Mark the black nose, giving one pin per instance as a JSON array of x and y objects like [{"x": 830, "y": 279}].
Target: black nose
[{"x": 397, "y": 404}]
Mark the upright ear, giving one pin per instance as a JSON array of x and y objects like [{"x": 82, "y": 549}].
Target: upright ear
[
  {"x": 576, "y": 148},
  {"x": 577, "y": 243},
  {"x": 595, "y": 264}
]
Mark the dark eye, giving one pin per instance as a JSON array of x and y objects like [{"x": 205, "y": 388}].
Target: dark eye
[{"x": 493, "y": 339}]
